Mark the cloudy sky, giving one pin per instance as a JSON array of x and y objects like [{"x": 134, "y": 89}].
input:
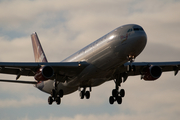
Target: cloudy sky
[{"x": 65, "y": 27}]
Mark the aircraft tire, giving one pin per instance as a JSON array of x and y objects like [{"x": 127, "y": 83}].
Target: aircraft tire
[
  {"x": 82, "y": 94},
  {"x": 87, "y": 94},
  {"x": 119, "y": 99},
  {"x": 61, "y": 93},
  {"x": 122, "y": 92},
  {"x": 50, "y": 100},
  {"x": 114, "y": 92},
  {"x": 58, "y": 100},
  {"x": 111, "y": 100}
]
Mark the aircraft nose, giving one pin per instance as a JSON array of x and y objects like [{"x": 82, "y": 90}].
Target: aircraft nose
[
  {"x": 138, "y": 43},
  {"x": 141, "y": 39}
]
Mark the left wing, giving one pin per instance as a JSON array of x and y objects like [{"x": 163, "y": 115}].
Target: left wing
[
  {"x": 68, "y": 69},
  {"x": 149, "y": 70},
  {"x": 17, "y": 81}
]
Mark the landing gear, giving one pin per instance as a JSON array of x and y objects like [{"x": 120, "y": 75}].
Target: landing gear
[
  {"x": 84, "y": 93},
  {"x": 56, "y": 95},
  {"x": 131, "y": 60},
  {"x": 117, "y": 94},
  {"x": 58, "y": 100},
  {"x": 50, "y": 100}
]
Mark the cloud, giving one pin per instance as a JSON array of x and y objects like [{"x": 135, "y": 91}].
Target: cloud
[
  {"x": 23, "y": 102},
  {"x": 78, "y": 23},
  {"x": 103, "y": 116},
  {"x": 66, "y": 26}
]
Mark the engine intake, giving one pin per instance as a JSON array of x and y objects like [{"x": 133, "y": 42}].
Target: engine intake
[
  {"x": 152, "y": 73},
  {"x": 44, "y": 73}
]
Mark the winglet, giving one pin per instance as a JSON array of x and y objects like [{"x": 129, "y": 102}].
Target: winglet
[{"x": 39, "y": 54}]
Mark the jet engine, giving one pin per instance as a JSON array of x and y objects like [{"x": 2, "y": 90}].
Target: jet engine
[
  {"x": 152, "y": 73},
  {"x": 44, "y": 73}
]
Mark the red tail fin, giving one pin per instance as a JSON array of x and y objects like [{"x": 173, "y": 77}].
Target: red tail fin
[{"x": 38, "y": 50}]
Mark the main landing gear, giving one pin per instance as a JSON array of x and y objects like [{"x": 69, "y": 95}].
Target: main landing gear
[
  {"x": 56, "y": 95},
  {"x": 117, "y": 94},
  {"x": 84, "y": 93}
]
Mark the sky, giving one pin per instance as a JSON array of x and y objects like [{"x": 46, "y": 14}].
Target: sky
[{"x": 64, "y": 27}]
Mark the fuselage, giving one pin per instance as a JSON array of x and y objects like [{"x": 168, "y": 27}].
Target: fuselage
[{"x": 104, "y": 56}]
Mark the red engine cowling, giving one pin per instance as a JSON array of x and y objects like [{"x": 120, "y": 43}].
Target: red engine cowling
[
  {"x": 44, "y": 73},
  {"x": 152, "y": 73}
]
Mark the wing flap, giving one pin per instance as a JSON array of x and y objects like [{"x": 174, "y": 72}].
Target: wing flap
[{"x": 16, "y": 71}]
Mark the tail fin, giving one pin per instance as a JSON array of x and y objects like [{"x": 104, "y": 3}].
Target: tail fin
[{"x": 38, "y": 50}]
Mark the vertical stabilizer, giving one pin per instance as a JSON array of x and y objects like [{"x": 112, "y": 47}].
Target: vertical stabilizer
[{"x": 38, "y": 50}]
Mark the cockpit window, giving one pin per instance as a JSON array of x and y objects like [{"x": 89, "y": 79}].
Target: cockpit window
[
  {"x": 138, "y": 29},
  {"x": 135, "y": 29}
]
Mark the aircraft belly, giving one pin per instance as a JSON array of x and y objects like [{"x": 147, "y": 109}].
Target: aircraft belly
[
  {"x": 90, "y": 76},
  {"x": 48, "y": 85}
]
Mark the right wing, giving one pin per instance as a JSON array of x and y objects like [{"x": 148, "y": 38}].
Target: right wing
[
  {"x": 148, "y": 70},
  {"x": 165, "y": 67}
]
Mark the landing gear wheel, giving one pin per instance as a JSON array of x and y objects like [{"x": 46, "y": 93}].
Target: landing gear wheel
[
  {"x": 119, "y": 99},
  {"x": 87, "y": 94},
  {"x": 82, "y": 94},
  {"x": 58, "y": 100},
  {"x": 122, "y": 92},
  {"x": 50, "y": 100},
  {"x": 61, "y": 93},
  {"x": 111, "y": 100},
  {"x": 114, "y": 92},
  {"x": 117, "y": 94}
]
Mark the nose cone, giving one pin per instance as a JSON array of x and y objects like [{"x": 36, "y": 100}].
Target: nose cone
[
  {"x": 138, "y": 43},
  {"x": 142, "y": 39}
]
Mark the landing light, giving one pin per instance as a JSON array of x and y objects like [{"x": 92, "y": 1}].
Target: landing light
[{"x": 111, "y": 37}]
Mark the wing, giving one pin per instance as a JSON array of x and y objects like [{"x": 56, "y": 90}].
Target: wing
[
  {"x": 68, "y": 69},
  {"x": 15, "y": 81},
  {"x": 147, "y": 69}
]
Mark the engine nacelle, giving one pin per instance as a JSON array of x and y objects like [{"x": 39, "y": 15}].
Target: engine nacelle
[
  {"x": 44, "y": 73},
  {"x": 152, "y": 73}
]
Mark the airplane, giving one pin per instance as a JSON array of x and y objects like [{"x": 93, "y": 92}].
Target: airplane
[{"x": 109, "y": 58}]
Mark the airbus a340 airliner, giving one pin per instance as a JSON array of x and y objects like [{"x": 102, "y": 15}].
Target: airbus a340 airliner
[{"x": 111, "y": 57}]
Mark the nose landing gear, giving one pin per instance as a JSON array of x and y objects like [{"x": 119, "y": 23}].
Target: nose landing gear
[{"x": 131, "y": 60}]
